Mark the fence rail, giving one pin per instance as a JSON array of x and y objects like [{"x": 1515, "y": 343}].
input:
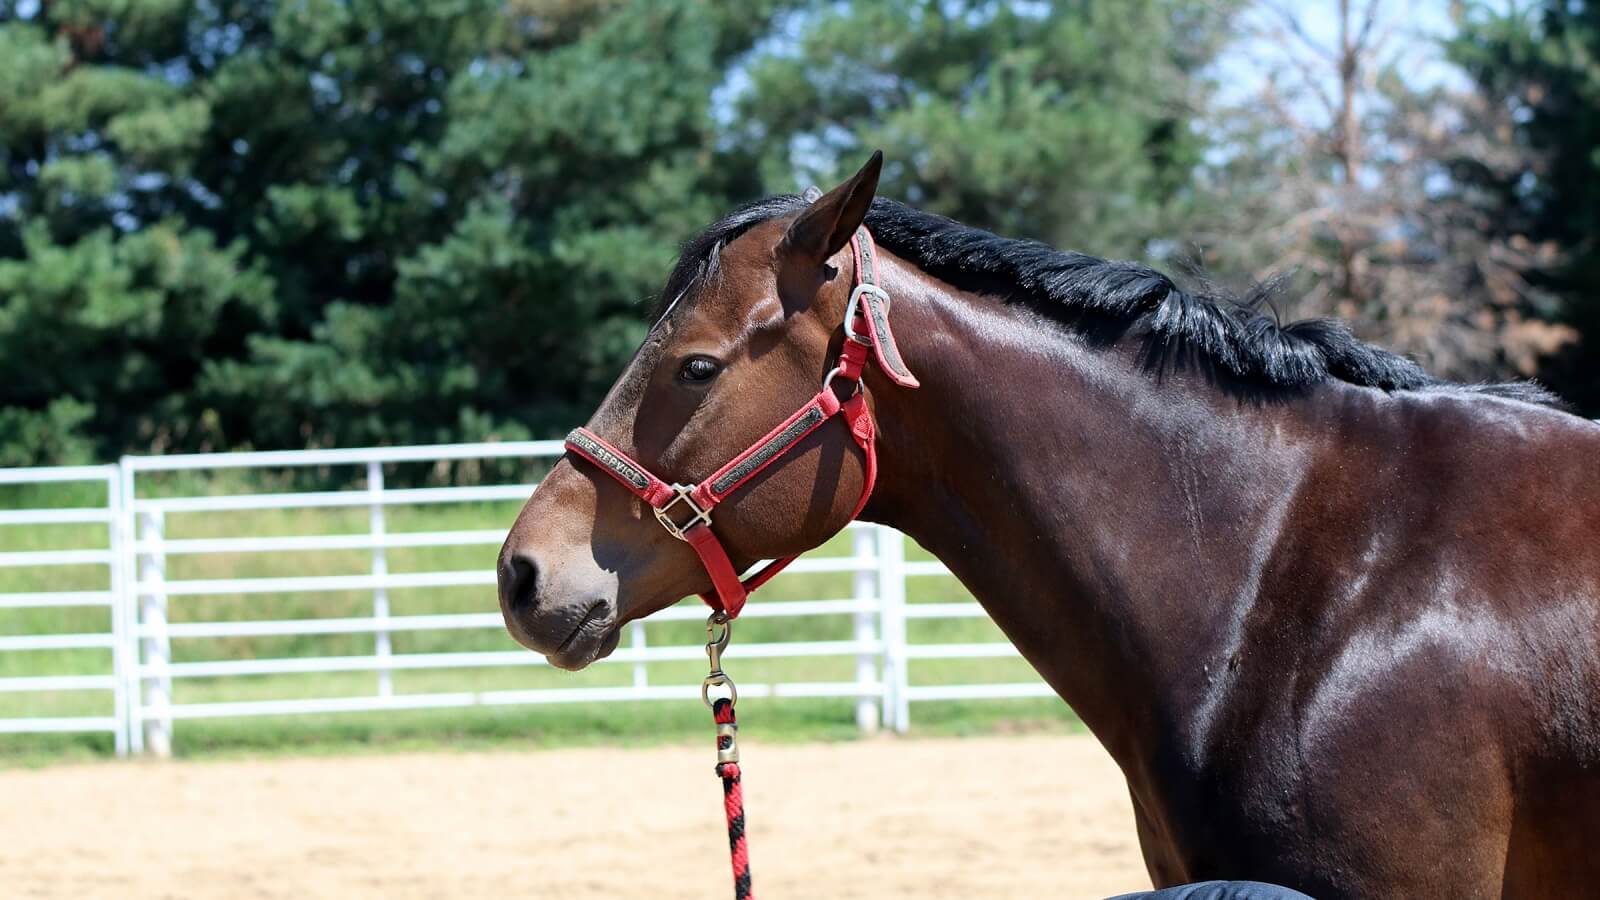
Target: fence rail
[{"x": 124, "y": 539}]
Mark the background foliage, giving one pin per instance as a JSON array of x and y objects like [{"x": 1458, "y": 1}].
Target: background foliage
[
  {"x": 1542, "y": 63},
  {"x": 241, "y": 223}
]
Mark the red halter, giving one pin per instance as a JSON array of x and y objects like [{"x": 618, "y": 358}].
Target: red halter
[{"x": 685, "y": 509}]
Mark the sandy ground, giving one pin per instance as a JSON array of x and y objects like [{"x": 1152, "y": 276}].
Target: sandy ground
[{"x": 985, "y": 817}]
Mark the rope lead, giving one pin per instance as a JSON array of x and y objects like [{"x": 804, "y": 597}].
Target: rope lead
[
  {"x": 732, "y": 799},
  {"x": 720, "y": 631}
]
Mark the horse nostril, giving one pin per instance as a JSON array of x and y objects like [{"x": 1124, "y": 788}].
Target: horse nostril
[{"x": 519, "y": 583}]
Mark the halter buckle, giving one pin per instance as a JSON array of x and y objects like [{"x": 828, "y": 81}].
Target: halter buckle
[
  {"x": 697, "y": 515},
  {"x": 854, "y": 307}
]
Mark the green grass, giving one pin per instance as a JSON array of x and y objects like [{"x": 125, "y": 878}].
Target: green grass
[{"x": 544, "y": 725}]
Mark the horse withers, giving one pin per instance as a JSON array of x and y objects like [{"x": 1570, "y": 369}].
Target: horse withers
[{"x": 1337, "y": 621}]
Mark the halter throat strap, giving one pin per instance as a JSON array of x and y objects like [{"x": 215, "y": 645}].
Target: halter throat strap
[{"x": 684, "y": 510}]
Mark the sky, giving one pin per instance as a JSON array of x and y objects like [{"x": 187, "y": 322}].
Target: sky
[{"x": 1413, "y": 29}]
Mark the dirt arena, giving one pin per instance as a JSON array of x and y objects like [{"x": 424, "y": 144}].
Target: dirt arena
[{"x": 983, "y": 817}]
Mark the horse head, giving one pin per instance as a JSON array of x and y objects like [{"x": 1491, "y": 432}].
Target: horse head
[{"x": 750, "y": 332}]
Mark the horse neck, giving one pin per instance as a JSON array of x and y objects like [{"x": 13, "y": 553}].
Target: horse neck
[{"x": 1114, "y": 525}]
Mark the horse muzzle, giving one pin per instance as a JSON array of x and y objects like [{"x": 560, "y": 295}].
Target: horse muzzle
[{"x": 571, "y": 624}]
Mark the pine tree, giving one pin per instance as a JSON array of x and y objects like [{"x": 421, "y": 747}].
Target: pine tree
[
  {"x": 1539, "y": 62},
  {"x": 247, "y": 223},
  {"x": 1070, "y": 123},
  {"x": 329, "y": 223}
]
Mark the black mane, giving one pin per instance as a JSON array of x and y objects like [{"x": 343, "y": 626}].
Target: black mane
[{"x": 1223, "y": 334}]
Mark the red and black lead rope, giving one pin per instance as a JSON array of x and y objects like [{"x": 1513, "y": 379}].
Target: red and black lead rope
[
  {"x": 733, "y": 802},
  {"x": 720, "y": 631}
]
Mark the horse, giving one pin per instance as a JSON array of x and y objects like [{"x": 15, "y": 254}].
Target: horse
[{"x": 1336, "y": 620}]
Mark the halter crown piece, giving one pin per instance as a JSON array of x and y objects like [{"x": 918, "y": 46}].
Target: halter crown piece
[{"x": 684, "y": 510}]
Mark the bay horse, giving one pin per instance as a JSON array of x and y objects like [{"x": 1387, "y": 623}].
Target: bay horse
[{"x": 1337, "y": 621}]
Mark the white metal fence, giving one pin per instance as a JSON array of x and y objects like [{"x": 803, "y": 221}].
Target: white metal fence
[
  {"x": 162, "y": 530},
  {"x": 94, "y": 544}
]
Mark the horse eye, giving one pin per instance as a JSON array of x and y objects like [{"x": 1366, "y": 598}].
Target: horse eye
[{"x": 699, "y": 368}]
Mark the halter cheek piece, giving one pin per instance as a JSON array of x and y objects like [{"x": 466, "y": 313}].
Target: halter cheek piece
[{"x": 684, "y": 510}]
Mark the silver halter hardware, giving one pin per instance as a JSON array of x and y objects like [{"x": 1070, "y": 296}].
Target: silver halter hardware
[
  {"x": 855, "y": 305},
  {"x": 681, "y": 494}
]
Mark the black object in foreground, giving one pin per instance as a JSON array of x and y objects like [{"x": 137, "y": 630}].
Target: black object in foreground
[{"x": 1218, "y": 890}]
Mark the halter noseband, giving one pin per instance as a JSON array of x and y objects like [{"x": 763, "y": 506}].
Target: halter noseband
[{"x": 684, "y": 510}]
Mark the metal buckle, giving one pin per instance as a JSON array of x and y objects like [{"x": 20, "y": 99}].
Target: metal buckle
[
  {"x": 854, "y": 307},
  {"x": 681, "y": 495}
]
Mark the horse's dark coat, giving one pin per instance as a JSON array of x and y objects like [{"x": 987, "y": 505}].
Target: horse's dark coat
[{"x": 1346, "y": 641}]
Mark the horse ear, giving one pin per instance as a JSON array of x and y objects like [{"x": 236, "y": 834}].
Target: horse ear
[{"x": 832, "y": 218}]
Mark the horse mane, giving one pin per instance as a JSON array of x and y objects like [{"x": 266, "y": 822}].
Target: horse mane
[{"x": 1218, "y": 332}]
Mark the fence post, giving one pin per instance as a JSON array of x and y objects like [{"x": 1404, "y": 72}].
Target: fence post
[
  {"x": 892, "y": 591},
  {"x": 121, "y": 634},
  {"x": 157, "y": 643},
  {"x": 864, "y": 540},
  {"x": 127, "y": 598},
  {"x": 380, "y": 568}
]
